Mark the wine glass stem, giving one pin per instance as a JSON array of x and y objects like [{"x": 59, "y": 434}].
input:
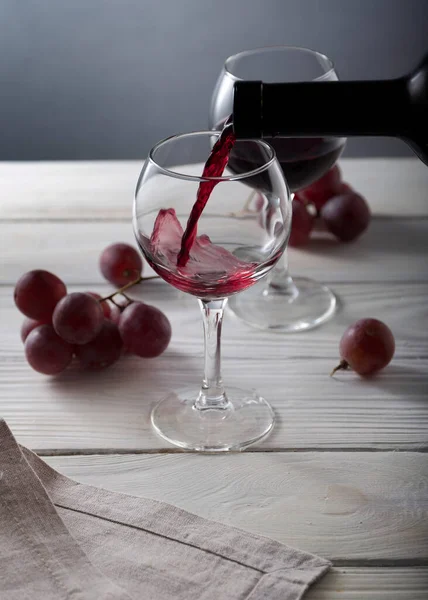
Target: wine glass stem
[
  {"x": 212, "y": 393},
  {"x": 279, "y": 279}
]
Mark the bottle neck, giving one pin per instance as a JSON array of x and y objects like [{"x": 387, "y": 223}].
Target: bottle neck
[
  {"x": 390, "y": 108},
  {"x": 331, "y": 108}
]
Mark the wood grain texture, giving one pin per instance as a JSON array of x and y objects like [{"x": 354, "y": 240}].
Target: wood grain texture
[
  {"x": 104, "y": 189},
  {"x": 360, "y": 507},
  {"x": 372, "y": 584},
  {"x": 110, "y": 410},
  {"x": 403, "y": 307},
  {"x": 390, "y": 251},
  {"x": 68, "y": 189},
  {"x": 343, "y": 506}
]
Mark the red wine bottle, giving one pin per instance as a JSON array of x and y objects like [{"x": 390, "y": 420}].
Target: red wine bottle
[{"x": 388, "y": 108}]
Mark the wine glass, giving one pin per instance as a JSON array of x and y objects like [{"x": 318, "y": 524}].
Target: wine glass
[
  {"x": 226, "y": 257},
  {"x": 282, "y": 303}
]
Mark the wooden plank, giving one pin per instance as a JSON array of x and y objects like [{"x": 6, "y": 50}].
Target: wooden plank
[
  {"x": 395, "y": 583},
  {"x": 71, "y": 250},
  {"x": 111, "y": 409},
  {"x": 403, "y": 307},
  {"x": 68, "y": 189},
  {"x": 387, "y": 184},
  {"x": 391, "y": 250},
  {"x": 343, "y": 506},
  {"x": 104, "y": 189}
]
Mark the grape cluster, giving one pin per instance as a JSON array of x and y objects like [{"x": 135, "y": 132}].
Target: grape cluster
[
  {"x": 333, "y": 203},
  {"x": 94, "y": 330}
]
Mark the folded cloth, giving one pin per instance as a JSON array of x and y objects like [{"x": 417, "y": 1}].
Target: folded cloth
[{"x": 62, "y": 540}]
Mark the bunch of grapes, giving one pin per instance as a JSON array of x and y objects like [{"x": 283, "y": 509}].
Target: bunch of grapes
[
  {"x": 95, "y": 330},
  {"x": 332, "y": 203}
]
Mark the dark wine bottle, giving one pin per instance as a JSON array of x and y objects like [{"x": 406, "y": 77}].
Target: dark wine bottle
[{"x": 388, "y": 108}]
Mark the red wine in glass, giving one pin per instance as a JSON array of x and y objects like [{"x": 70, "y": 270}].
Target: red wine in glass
[
  {"x": 193, "y": 263},
  {"x": 303, "y": 160},
  {"x": 210, "y": 272}
]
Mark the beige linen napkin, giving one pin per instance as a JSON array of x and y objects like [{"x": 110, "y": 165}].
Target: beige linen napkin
[{"x": 62, "y": 540}]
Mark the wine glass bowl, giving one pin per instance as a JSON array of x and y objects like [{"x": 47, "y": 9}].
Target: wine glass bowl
[
  {"x": 303, "y": 160},
  {"x": 282, "y": 303},
  {"x": 228, "y": 256}
]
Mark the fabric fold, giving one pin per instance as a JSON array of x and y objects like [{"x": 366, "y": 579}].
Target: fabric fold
[{"x": 61, "y": 539}]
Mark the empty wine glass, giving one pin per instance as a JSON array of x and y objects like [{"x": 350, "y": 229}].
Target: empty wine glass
[
  {"x": 227, "y": 257},
  {"x": 282, "y": 303}
]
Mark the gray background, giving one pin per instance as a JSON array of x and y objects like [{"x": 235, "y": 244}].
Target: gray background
[{"x": 102, "y": 79}]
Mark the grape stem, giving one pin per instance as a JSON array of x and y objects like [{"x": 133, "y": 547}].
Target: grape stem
[
  {"x": 342, "y": 366},
  {"x": 111, "y": 300},
  {"x": 126, "y": 287}
]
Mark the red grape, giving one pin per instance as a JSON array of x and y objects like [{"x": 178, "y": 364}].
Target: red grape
[
  {"x": 104, "y": 350},
  {"x": 115, "y": 313},
  {"x": 367, "y": 346},
  {"x": 120, "y": 264},
  {"x": 145, "y": 330},
  {"x": 346, "y": 216},
  {"x": 115, "y": 318},
  {"x": 27, "y": 327},
  {"x": 322, "y": 190},
  {"x": 259, "y": 203},
  {"x": 104, "y": 305},
  {"x": 301, "y": 198},
  {"x": 46, "y": 352},
  {"x": 116, "y": 309},
  {"x": 78, "y": 318},
  {"x": 345, "y": 188},
  {"x": 37, "y": 293},
  {"x": 301, "y": 225}
]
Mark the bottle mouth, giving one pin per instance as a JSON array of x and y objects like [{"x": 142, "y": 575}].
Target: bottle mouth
[{"x": 324, "y": 61}]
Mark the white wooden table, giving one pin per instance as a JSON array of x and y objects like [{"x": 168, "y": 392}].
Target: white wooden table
[{"x": 345, "y": 473}]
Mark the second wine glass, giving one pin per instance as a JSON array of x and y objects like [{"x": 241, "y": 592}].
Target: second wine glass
[{"x": 282, "y": 303}]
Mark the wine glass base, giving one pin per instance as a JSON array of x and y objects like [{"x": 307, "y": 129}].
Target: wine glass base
[
  {"x": 247, "y": 420},
  {"x": 300, "y": 307}
]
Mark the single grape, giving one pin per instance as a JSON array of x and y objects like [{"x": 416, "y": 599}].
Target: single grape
[
  {"x": 46, "y": 352},
  {"x": 27, "y": 327},
  {"x": 259, "y": 203},
  {"x": 145, "y": 330},
  {"x": 104, "y": 305},
  {"x": 116, "y": 309},
  {"x": 301, "y": 198},
  {"x": 120, "y": 264},
  {"x": 367, "y": 346},
  {"x": 104, "y": 350},
  {"x": 115, "y": 313},
  {"x": 346, "y": 216},
  {"x": 319, "y": 192},
  {"x": 301, "y": 225},
  {"x": 345, "y": 188},
  {"x": 37, "y": 293},
  {"x": 78, "y": 318}
]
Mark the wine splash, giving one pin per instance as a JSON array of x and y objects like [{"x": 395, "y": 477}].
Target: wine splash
[
  {"x": 211, "y": 271},
  {"x": 214, "y": 167},
  {"x": 192, "y": 263}
]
